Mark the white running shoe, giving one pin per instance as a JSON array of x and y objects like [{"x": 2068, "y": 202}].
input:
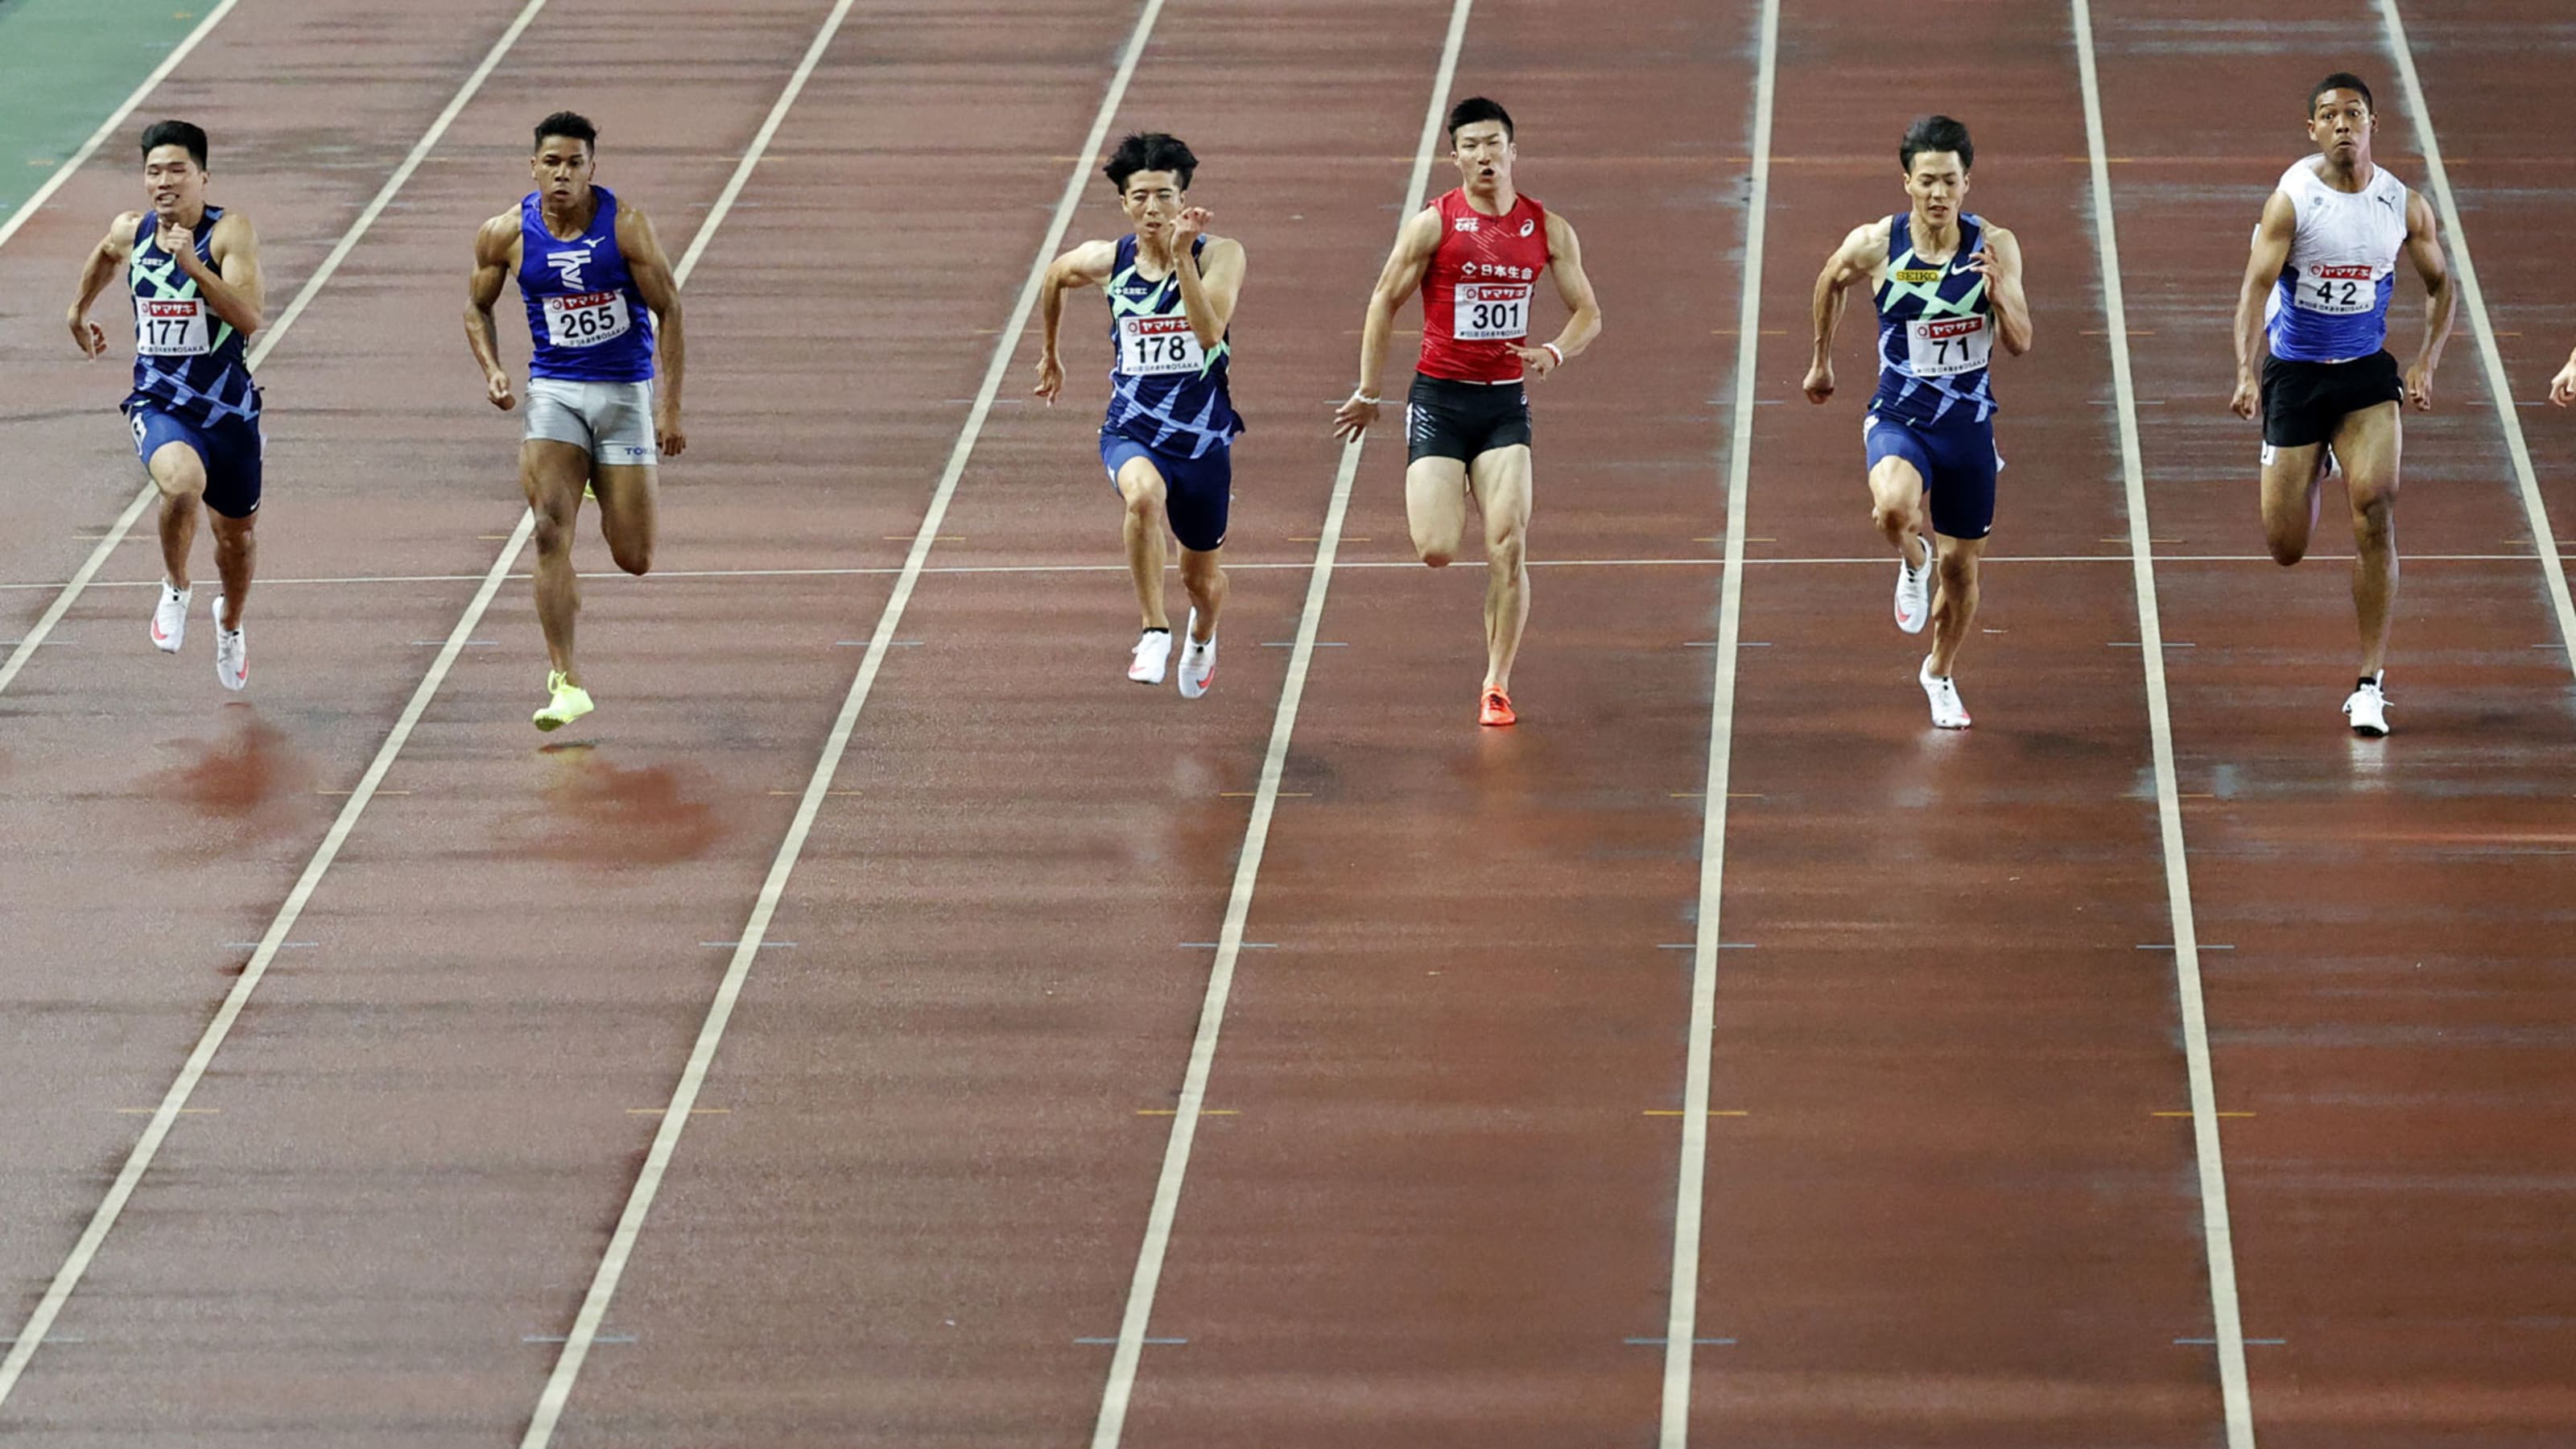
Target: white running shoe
[
  {"x": 1947, "y": 712},
  {"x": 170, "y": 618},
  {"x": 1153, "y": 656},
  {"x": 1198, "y": 661},
  {"x": 1914, "y": 592},
  {"x": 232, "y": 652},
  {"x": 2367, "y": 708}
]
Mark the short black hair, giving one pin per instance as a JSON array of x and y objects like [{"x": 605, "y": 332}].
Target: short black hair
[
  {"x": 1150, "y": 151},
  {"x": 572, "y": 126},
  {"x": 2342, "y": 80},
  {"x": 176, "y": 133},
  {"x": 1476, "y": 108},
  {"x": 1936, "y": 133}
]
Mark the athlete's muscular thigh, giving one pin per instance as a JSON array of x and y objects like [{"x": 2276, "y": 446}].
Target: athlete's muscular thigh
[
  {"x": 553, "y": 474},
  {"x": 177, "y": 471},
  {"x": 628, "y": 518},
  {"x": 1896, "y": 487},
  {"x": 2290, "y": 497},
  {"x": 1435, "y": 505},
  {"x": 2367, "y": 444},
  {"x": 1500, "y": 479}
]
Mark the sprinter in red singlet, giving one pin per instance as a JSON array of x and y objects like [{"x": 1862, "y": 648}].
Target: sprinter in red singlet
[{"x": 1477, "y": 254}]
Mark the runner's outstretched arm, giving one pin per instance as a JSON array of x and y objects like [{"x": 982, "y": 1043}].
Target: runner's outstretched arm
[
  {"x": 97, "y": 270},
  {"x": 651, "y": 269},
  {"x": 1851, "y": 264},
  {"x": 482, "y": 289},
  {"x": 2441, "y": 298},
  {"x": 1085, "y": 266},
  {"x": 1405, "y": 267},
  {"x": 2262, "y": 273}
]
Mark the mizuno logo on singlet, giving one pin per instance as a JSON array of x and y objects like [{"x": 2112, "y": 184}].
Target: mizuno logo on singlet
[{"x": 569, "y": 264}]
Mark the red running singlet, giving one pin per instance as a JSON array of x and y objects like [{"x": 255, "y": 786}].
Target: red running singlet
[{"x": 1476, "y": 295}]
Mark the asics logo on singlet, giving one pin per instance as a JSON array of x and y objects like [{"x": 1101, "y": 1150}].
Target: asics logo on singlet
[
  {"x": 569, "y": 264},
  {"x": 1464, "y": 223},
  {"x": 1528, "y": 226}
]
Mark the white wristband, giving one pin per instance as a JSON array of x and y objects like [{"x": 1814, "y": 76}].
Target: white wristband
[
  {"x": 1553, "y": 352},
  {"x": 1358, "y": 396}
]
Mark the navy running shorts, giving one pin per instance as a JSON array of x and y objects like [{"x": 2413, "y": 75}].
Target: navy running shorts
[
  {"x": 1197, "y": 492},
  {"x": 231, "y": 452},
  {"x": 1957, "y": 460}
]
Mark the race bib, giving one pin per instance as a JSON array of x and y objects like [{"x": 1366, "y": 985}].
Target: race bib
[
  {"x": 1947, "y": 346},
  {"x": 1159, "y": 347},
  {"x": 2336, "y": 290},
  {"x": 587, "y": 320},
  {"x": 171, "y": 327},
  {"x": 1490, "y": 312}
]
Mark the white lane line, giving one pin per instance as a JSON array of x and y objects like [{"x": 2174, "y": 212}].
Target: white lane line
[
  {"x": 63, "y": 174},
  {"x": 175, "y": 1100},
  {"x": 684, "y": 1094},
  {"x": 2499, "y": 387},
  {"x": 2235, "y": 1398},
  {"x": 1116, "y": 1393},
  {"x": 612, "y": 576},
  {"x": 276, "y": 331},
  {"x": 1681, "y": 1322}
]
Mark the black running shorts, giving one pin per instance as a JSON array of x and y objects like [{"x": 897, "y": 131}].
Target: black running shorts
[
  {"x": 2304, "y": 402},
  {"x": 1448, "y": 419}
]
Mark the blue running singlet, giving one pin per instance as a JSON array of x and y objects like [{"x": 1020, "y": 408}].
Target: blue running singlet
[
  {"x": 1935, "y": 331},
  {"x": 587, "y": 320},
  {"x": 188, "y": 362},
  {"x": 1165, "y": 390}
]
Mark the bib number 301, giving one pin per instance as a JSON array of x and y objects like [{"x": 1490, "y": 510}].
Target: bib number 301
[
  {"x": 175, "y": 328},
  {"x": 1491, "y": 312},
  {"x": 587, "y": 320},
  {"x": 1159, "y": 347},
  {"x": 1948, "y": 346}
]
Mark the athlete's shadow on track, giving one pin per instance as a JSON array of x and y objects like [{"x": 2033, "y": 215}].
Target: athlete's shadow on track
[{"x": 593, "y": 812}]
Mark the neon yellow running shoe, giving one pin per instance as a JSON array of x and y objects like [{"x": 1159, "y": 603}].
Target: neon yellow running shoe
[{"x": 569, "y": 702}]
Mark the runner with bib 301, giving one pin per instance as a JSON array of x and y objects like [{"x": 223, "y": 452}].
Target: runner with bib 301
[{"x": 1477, "y": 254}]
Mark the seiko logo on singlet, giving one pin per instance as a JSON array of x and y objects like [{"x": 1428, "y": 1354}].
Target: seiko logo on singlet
[
  {"x": 1917, "y": 277},
  {"x": 1496, "y": 269},
  {"x": 569, "y": 264}
]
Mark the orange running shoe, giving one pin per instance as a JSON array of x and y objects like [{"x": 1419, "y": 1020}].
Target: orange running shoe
[{"x": 1497, "y": 709}]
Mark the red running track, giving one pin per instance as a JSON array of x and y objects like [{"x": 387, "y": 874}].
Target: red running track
[{"x": 1434, "y": 1198}]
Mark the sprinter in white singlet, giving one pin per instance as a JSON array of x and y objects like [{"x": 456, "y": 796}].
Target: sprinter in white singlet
[{"x": 2311, "y": 321}]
